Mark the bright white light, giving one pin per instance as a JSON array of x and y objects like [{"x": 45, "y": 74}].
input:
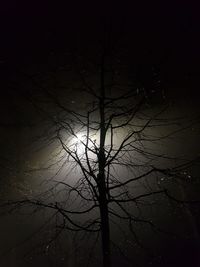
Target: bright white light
[
  {"x": 80, "y": 143},
  {"x": 80, "y": 138}
]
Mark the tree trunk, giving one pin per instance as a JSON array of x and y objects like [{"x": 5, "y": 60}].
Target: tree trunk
[
  {"x": 101, "y": 181},
  {"x": 105, "y": 230}
]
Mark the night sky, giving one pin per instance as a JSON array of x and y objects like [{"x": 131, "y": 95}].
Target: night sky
[
  {"x": 164, "y": 35},
  {"x": 45, "y": 39}
]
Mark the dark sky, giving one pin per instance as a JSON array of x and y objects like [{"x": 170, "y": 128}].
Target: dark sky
[
  {"x": 165, "y": 34},
  {"x": 162, "y": 33},
  {"x": 30, "y": 27}
]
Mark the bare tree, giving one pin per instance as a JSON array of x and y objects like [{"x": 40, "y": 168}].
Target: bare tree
[{"x": 103, "y": 151}]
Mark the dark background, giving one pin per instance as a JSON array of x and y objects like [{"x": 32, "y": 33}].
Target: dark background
[
  {"x": 35, "y": 36},
  {"x": 165, "y": 34}
]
